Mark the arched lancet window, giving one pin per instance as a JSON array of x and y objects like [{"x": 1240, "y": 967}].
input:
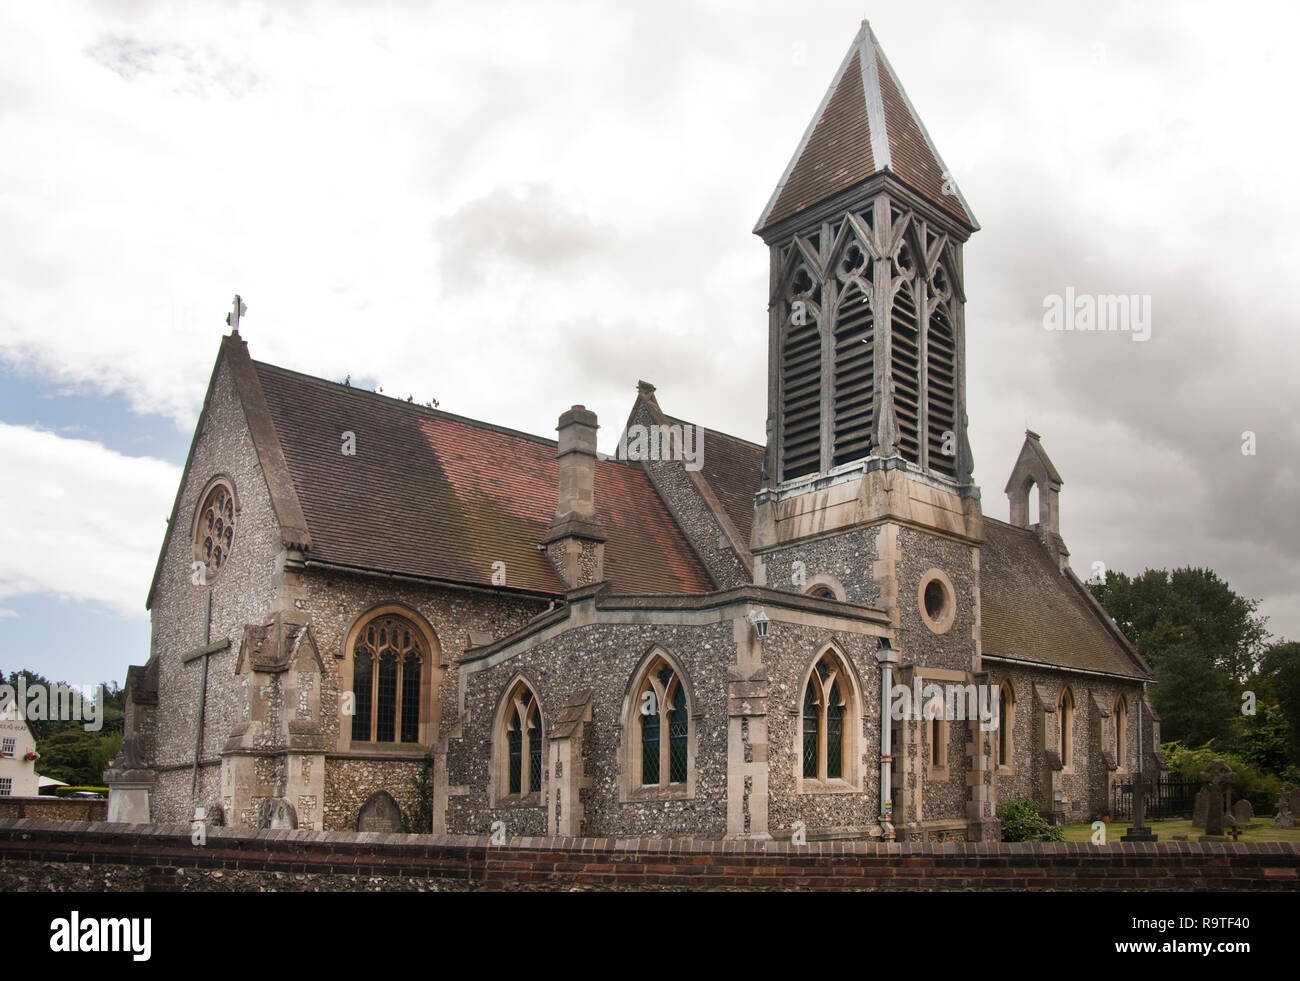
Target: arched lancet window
[
  {"x": 388, "y": 667},
  {"x": 521, "y": 727},
  {"x": 1121, "y": 732},
  {"x": 827, "y": 721},
  {"x": 660, "y": 730},
  {"x": 1006, "y": 724},
  {"x": 1067, "y": 728}
]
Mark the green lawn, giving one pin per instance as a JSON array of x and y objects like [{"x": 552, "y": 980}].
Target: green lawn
[{"x": 1263, "y": 831}]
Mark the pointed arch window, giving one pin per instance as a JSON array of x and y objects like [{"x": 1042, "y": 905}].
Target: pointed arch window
[
  {"x": 1066, "y": 711},
  {"x": 828, "y": 722},
  {"x": 521, "y": 733},
  {"x": 1006, "y": 725},
  {"x": 905, "y": 367},
  {"x": 659, "y": 735},
  {"x": 388, "y": 676},
  {"x": 1121, "y": 732},
  {"x": 941, "y": 384}
]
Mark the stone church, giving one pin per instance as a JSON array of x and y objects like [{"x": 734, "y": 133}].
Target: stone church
[{"x": 369, "y": 614}]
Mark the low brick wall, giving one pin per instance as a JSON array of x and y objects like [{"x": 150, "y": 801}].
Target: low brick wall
[
  {"x": 36, "y": 854},
  {"x": 55, "y": 808}
]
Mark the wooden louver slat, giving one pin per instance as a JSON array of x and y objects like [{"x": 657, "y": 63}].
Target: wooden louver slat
[
  {"x": 854, "y": 403},
  {"x": 906, "y": 374},
  {"x": 941, "y": 389},
  {"x": 801, "y": 399}
]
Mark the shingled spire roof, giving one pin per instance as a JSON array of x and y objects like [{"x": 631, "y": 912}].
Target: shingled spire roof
[{"x": 865, "y": 126}]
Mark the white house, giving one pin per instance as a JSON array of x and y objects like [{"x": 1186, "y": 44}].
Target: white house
[{"x": 17, "y": 755}]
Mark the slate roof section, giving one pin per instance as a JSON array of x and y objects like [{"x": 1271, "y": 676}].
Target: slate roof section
[
  {"x": 733, "y": 469},
  {"x": 865, "y": 125},
  {"x": 438, "y": 496},
  {"x": 1031, "y": 611}
]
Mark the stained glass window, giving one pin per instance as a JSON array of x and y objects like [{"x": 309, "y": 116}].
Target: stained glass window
[
  {"x": 678, "y": 729},
  {"x": 362, "y": 672},
  {"x": 387, "y": 681},
  {"x": 826, "y": 721},
  {"x": 215, "y": 530},
  {"x": 522, "y": 719}
]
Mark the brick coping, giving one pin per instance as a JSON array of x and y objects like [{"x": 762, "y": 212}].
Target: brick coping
[{"x": 100, "y": 832}]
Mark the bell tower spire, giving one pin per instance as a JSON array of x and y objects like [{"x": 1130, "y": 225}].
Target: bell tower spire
[
  {"x": 867, "y": 350},
  {"x": 866, "y": 228}
]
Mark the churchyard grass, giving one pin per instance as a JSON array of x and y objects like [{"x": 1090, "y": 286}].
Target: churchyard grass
[{"x": 1263, "y": 831}]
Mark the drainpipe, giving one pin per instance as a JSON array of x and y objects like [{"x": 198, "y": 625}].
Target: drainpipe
[{"x": 887, "y": 657}]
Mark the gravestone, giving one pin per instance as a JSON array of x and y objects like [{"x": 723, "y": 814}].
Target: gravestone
[
  {"x": 1285, "y": 817},
  {"x": 1217, "y": 776},
  {"x": 1242, "y": 812},
  {"x": 276, "y": 812},
  {"x": 380, "y": 813},
  {"x": 1201, "y": 809}
]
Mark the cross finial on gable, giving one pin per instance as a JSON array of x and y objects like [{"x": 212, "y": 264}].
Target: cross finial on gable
[{"x": 239, "y": 309}]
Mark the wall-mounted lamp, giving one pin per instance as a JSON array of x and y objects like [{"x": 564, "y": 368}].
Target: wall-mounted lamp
[{"x": 761, "y": 622}]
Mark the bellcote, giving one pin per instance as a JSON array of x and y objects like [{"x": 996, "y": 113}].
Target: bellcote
[{"x": 865, "y": 228}]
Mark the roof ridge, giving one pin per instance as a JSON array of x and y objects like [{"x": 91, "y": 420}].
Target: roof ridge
[{"x": 402, "y": 403}]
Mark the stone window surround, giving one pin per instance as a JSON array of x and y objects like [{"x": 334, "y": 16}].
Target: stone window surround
[
  {"x": 1119, "y": 717},
  {"x": 851, "y": 781},
  {"x": 499, "y": 785},
  {"x": 629, "y": 754},
  {"x": 1006, "y": 724},
  {"x": 943, "y": 623},
  {"x": 826, "y": 581},
  {"x": 1066, "y": 707},
  {"x": 218, "y": 480},
  {"x": 939, "y": 726},
  {"x": 430, "y": 681}
]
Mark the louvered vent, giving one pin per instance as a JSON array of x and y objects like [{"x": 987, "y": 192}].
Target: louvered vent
[
  {"x": 854, "y": 377},
  {"x": 905, "y": 369},
  {"x": 801, "y": 367},
  {"x": 941, "y": 386}
]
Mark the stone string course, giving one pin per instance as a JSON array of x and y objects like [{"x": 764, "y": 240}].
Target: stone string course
[{"x": 65, "y": 855}]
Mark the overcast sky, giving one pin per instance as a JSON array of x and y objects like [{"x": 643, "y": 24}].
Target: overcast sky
[{"x": 512, "y": 208}]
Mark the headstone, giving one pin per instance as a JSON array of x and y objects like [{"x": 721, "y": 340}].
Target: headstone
[
  {"x": 1139, "y": 831},
  {"x": 380, "y": 813},
  {"x": 1242, "y": 812},
  {"x": 276, "y": 812},
  {"x": 1285, "y": 817},
  {"x": 1217, "y": 777},
  {"x": 1201, "y": 809}
]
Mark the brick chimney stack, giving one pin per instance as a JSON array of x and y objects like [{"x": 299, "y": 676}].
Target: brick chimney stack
[{"x": 576, "y": 542}]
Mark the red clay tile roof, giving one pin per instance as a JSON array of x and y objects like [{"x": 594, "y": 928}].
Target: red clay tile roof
[
  {"x": 1031, "y": 611},
  {"x": 437, "y": 496},
  {"x": 840, "y": 148},
  {"x": 733, "y": 469}
]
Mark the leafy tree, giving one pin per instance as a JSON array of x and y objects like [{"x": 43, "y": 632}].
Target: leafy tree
[
  {"x": 74, "y": 756},
  {"x": 1224, "y": 626},
  {"x": 1197, "y": 701},
  {"x": 1280, "y": 671}
]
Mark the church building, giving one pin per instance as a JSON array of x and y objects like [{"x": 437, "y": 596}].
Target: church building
[{"x": 369, "y": 614}]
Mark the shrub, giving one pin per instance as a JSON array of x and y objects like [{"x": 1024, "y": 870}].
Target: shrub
[{"x": 1022, "y": 822}]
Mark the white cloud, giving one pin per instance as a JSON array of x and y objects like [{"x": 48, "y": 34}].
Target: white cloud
[
  {"x": 80, "y": 520},
  {"x": 513, "y": 207}
]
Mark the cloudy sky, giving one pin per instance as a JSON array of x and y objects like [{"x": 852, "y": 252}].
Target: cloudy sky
[{"x": 512, "y": 208}]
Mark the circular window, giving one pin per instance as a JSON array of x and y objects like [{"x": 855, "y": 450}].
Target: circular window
[
  {"x": 214, "y": 531},
  {"x": 937, "y": 601}
]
